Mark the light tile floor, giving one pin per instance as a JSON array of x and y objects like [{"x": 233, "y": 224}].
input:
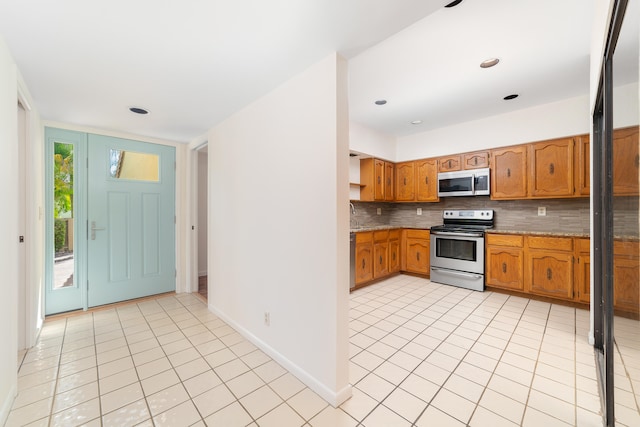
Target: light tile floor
[{"x": 422, "y": 354}]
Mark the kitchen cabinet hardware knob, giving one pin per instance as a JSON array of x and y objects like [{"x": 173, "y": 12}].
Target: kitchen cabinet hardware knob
[
  {"x": 552, "y": 168},
  {"x": 549, "y": 274},
  {"x": 508, "y": 173},
  {"x": 504, "y": 267}
]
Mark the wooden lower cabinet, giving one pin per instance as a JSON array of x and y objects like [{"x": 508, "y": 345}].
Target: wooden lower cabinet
[
  {"x": 626, "y": 276},
  {"x": 504, "y": 263},
  {"x": 364, "y": 257},
  {"x": 582, "y": 271},
  {"x": 549, "y": 266},
  {"x": 417, "y": 251},
  {"x": 380, "y": 254},
  {"x": 394, "y": 251},
  {"x": 377, "y": 255}
]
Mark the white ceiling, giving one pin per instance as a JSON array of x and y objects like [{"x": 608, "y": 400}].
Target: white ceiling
[{"x": 192, "y": 63}]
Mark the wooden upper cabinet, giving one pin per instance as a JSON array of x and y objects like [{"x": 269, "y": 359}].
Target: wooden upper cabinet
[
  {"x": 389, "y": 181},
  {"x": 405, "y": 181},
  {"x": 427, "y": 180},
  {"x": 449, "y": 163},
  {"x": 551, "y": 168},
  {"x": 378, "y": 184},
  {"x": 476, "y": 160},
  {"x": 583, "y": 165},
  {"x": 626, "y": 161},
  {"x": 509, "y": 173},
  {"x": 373, "y": 178}
]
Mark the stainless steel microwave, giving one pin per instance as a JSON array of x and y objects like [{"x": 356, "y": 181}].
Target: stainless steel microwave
[{"x": 473, "y": 182}]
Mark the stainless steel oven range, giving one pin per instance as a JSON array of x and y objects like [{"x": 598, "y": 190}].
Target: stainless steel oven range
[{"x": 457, "y": 248}]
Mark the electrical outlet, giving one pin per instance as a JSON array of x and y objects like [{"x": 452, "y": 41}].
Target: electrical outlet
[
  {"x": 379, "y": 211},
  {"x": 267, "y": 318},
  {"x": 419, "y": 211},
  {"x": 542, "y": 211}
]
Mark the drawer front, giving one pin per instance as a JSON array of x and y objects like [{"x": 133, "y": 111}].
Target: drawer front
[
  {"x": 515, "y": 241},
  {"x": 583, "y": 245},
  {"x": 418, "y": 234},
  {"x": 381, "y": 236},
  {"x": 364, "y": 237},
  {"x": 551, "y": 243},
  {"x": 394, "y": 234},
  {"x": 626, "y": 248}
]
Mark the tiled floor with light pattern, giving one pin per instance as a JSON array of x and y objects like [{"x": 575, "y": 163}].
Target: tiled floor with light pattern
[{"x": 422, "y": 354}]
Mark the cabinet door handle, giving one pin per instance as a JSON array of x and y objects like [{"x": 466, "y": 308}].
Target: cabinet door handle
[
  {"x": 504, "y": 267},
  {"x": 418, "y": 256},
  {"x": 637, "y": 160},
  {"x": 549, "y": 274},
  {"x": 552, "y": 168},
  {"x": 394, "y": 256},
  {"x": 426, "y": 180},
  {"x": 475, "y": 161},
  {"x": 405, "y": 181},
  {"x": 380, "y": 259},
  {"x": 508, "y": 173},
  {"x": 449, "y": 164},
  {"x": 363, "y": 263},
  {"x": 379, "y": 180}
]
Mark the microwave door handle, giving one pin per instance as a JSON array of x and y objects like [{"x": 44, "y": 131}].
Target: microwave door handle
[{"x": 473, "y": 184}]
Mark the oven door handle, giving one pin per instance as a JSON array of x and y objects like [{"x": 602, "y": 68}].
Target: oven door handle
[
  {"x": 456, "y": 234},
  {"x": 457, "y": 273}
]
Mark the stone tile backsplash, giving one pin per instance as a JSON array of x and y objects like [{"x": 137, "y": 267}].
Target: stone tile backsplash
[{"x": 563, "y": 215}]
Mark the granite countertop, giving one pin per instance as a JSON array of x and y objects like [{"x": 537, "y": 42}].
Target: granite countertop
[
  {"x": 539, "y": 233},
  {"x": 365, "y": 228}
]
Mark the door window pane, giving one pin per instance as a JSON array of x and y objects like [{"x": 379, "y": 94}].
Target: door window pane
[
  {"x": 63, "y": 216},
  {"x": 134, "y": 166}
]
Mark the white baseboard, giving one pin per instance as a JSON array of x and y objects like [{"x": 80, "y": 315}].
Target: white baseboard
[
  {"x": 334, "y": 398},
  {"x": 7, "y": 404}
]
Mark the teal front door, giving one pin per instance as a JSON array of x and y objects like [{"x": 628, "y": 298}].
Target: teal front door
[{"x": 130, "y": 219}]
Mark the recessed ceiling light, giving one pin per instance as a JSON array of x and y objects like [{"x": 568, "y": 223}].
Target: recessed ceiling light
[
  {"x": 489, "y": 63},
  {"x": 510, "y": 97},
  {"x": 416, "y": 122},
  {"x": 381, "y": 101},
  {"x": 454, "y": 3},
  {"x": 138, "y": 110}
]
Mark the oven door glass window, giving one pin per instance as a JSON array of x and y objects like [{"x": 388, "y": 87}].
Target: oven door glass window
[{"x": 464, "y": 250}]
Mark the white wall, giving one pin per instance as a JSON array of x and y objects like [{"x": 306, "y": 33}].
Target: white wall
[
  {"x": 8, "y": 227},
  {"x": 554, "y": 120},
  {"x": 368, "y": 141},
  {"x": 202, "y": 213},
  {"x": 279, "y": 222}
]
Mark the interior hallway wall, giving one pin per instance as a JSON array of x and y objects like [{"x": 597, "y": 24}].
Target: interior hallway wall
[
  {"x": 8, "y": 227},
  {"x": 278, "y": 240}
]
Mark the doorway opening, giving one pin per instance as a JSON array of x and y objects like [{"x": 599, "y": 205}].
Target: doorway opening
[{"x": 202, "y": 203}]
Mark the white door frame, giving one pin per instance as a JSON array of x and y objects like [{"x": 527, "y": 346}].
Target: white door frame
[
  {"x": 32, "y": 314},
  {"x": 192, "y": 226}
]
